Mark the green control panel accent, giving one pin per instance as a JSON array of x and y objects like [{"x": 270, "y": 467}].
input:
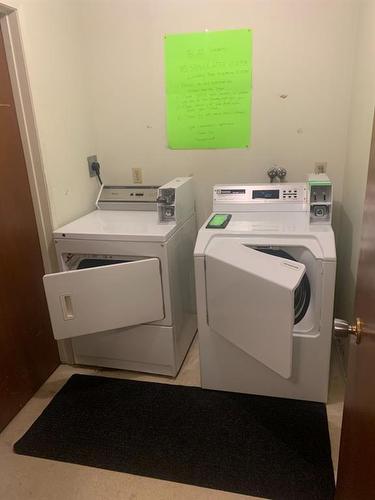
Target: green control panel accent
[{"x": 219, "y": 221}]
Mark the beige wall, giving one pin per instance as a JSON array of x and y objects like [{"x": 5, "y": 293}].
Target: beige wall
[
  {"x": 358, "y": 151},
  {"x": 302, "y": 48},
  {"x": 97, "y": 80},
  {"x": 51, "y": 32}
]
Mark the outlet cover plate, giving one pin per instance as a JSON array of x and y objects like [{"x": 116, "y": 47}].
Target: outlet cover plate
[
  {"x": 320, "y": 167},
  {"x": 137, "y": 175},
  {"x": 90, "y": 160}
]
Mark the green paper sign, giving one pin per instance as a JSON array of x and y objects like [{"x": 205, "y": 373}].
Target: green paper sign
[{"x": 208, "y": 87}]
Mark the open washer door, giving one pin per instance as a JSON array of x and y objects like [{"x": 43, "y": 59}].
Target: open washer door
[
  {"x": 97, "y": 299},
  {"x": 250, "y": 300}
]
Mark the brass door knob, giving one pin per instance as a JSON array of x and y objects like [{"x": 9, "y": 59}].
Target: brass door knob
[{"x": 342, "y": 328}]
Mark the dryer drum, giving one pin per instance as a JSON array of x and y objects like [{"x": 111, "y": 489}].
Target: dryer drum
[{"x": 302, "y": 294}]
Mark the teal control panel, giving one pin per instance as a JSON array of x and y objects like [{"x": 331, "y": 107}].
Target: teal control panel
[{"x": 219, "y": 221}]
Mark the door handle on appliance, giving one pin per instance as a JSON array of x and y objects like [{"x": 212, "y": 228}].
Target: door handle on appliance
[
  {"x": 67, "y": 306},
  {"x": 342, "y": 329}
]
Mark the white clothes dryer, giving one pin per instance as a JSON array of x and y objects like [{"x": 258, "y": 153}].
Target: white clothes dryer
[
  {"x": 125, "y": 295},
  {"x": 265, "y": 265}
]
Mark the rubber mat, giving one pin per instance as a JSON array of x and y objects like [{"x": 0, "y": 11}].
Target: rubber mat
[{"x": 261, "y": 446}]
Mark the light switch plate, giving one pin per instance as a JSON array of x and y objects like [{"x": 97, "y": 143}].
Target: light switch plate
[{"x": 137, "y": 175}]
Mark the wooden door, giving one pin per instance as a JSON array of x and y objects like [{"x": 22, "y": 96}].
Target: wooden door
[
  {"x": 28, "y": 352},
  {"x": 356, "y": 472}
]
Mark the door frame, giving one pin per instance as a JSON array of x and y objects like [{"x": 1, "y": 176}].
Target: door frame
[{"x": 10, "y": 28}]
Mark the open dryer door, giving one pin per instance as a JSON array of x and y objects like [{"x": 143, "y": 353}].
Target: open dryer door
[
  {"x": 250, "y": 300},
  {"x": 104, "y": 298}
]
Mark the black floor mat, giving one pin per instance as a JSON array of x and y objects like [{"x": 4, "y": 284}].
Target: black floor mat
[{"x": 261, "y": 446}]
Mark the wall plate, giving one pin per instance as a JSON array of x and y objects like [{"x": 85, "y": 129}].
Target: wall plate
[
  {"x": 90, "y": 160},
  {"x": 137, "y": 175}
]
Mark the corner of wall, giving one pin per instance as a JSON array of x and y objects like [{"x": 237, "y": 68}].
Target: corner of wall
[{"x": 357, "y": 158}]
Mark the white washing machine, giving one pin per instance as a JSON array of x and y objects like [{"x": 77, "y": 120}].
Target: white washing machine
[
  {"x": 125, "y": 295},
  {"x": 265, "y": 276}
]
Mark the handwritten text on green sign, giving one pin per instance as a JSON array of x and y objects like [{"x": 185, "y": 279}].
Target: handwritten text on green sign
[{"x": 208, "y": 87}]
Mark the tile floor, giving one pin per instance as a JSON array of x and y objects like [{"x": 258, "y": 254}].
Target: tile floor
[{"x": 32, "y": 478}]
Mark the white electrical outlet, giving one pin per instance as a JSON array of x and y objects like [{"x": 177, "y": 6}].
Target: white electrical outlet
[
  {"x": 137, "y": 175},
  {"x": 320, "y": 167}
]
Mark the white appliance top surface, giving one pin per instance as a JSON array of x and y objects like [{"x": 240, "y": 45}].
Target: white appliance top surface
[
  {"x": 117, "y": 225},
  {"x": 292, "y": 228}
]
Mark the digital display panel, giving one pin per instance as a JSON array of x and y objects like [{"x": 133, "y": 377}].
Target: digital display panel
[
  {"x": 266, "y": 194},
  {"x": 232, "y": 191}
]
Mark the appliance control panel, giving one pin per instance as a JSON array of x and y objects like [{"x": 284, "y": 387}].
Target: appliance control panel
[
  {"x": 314, "y": 196},
  {"x": 277, "y": 196},
  {"x": 281, "y": 197},
  {"x": 127, "y": 198}
]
